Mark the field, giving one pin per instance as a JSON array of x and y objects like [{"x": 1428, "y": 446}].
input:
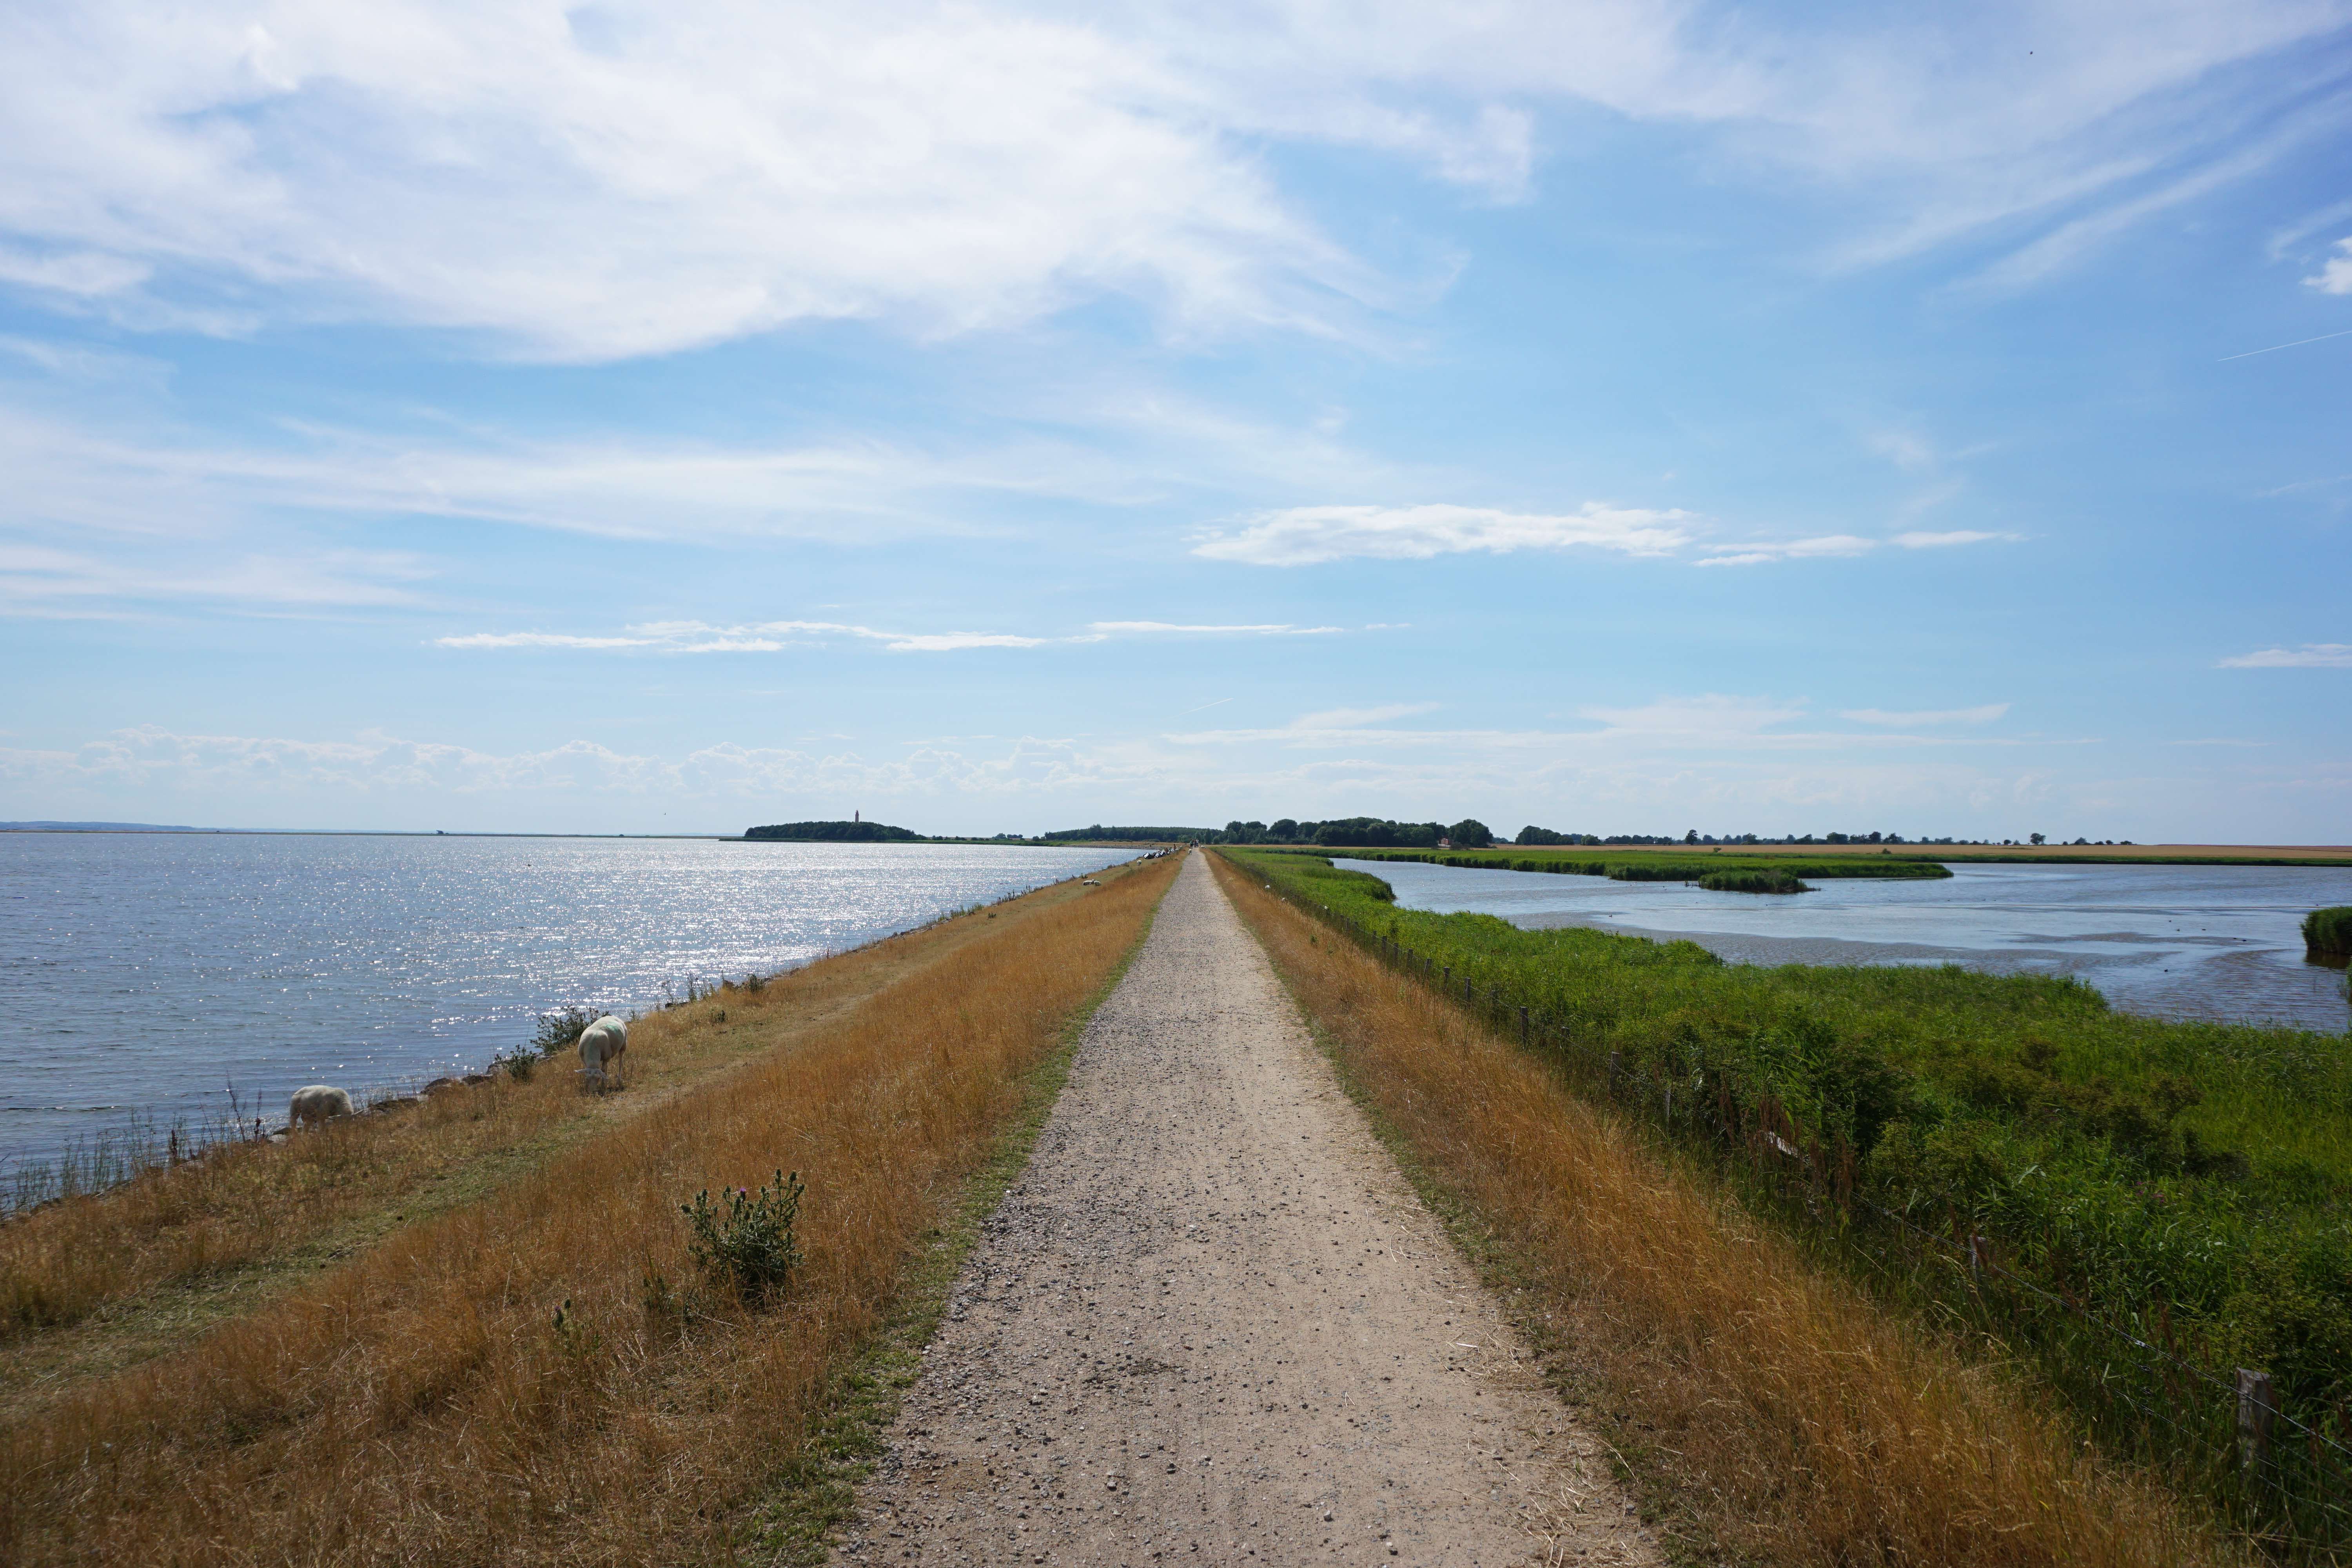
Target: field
[
  {"x": 2184, "y": 1182},
  {"x": 476, "y": 1333}
]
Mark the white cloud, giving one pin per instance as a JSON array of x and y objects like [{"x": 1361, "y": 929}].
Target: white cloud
[
  {"x": 1358, "y": 718},
  {"x": 1141, "y": 627},
  {"x": 1710, "y": 723},
  {"x": 536, "y": 639},
  {"x": 2310, "y": 655},
  {"x": 773, "y": 637},
  {"x": 1984, "y": 715},
  {"x": 40, "y": 579},
  {"x": 239, "y": 767},
  {"x": 621, "y": 178},
  {"x": 2335, "y": 277},
  {"x": 1827, "y": 544},
  {"x": 1711, "y": 714},
  {"x": 1301, "y": 536},
  {"x": 80, "y": 272},
  {"x": 1945, "y": 541},
  {"x": 624, "y": 177},
  {"x": 1831, "y": 545}
]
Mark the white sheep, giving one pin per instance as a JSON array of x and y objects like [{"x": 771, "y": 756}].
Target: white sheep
[
  {"x": 319, "y": 1103},
  {"x": 602, "y": 1046}
]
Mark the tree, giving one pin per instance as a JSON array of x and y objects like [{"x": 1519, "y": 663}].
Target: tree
[
  {"x": 1470, "y": 834},
  {"x": 2037, "y": 839},
  {"x": 1283, "y": 827}
]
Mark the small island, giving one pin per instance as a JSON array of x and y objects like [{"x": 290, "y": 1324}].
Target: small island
[{"x": 854, "y": 832}]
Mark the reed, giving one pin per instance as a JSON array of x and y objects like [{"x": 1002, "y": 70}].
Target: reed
[
  {"x": 2327, "y": 936},
  {"x": 541, "y": 1374},
  {"x": 1786, "y": 1415}
]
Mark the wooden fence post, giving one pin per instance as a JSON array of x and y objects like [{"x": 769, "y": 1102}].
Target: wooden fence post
[
  {"x": 1977, "y": 1249},
  {"x": 1523, "y": 1028},
  {"x": 2257, "y": 1404}
]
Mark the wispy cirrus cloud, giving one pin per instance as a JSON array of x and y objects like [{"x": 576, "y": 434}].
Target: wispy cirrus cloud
[
  {"x": 1813, "y": 549},
  {"x": 1139, "y": 629},
  {"x": 2310, "y": 655},
  {"x": 1309, "y": 535},
  {"x": 38, "y": 579},
  {"x": 1920, "y": 539},
  {"x": 1833, "y": 545},
  {"x": 630, "y": 178},
  {"x": 1982, "y": 715},
  {"x": 773, "y": 636},
  {"x": 1313, "y": 535}
]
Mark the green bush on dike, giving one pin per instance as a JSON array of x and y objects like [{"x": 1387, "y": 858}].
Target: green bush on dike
[
  {"x": 2186, "y": 1180},
  {"x": 2328, "y": 935}
]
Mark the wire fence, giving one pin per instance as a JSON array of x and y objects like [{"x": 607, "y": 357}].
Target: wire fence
[{"x": 2138, "y": 1382}]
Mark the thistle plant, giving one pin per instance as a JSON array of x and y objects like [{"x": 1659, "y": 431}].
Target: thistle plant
[{"x": 745, "y": 1239}]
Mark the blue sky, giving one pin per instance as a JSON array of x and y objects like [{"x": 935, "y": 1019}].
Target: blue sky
[{"x": 1621, "y": 418}]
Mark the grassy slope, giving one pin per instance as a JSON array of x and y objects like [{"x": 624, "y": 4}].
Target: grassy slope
[
  {"x": 1768, "y": 1407},
  {"x": 2018, "y": 1107},
  {"x": 97, "y": 1284},
  {"x": 422, "y": 1401}
]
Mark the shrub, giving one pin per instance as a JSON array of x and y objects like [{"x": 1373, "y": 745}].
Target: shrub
[
  {"x": 1762, "y": 881},
  {"x": 560, "y": 1031},
  {"x": 2328, "y": 935},
  {"x": 748, "y": 1246}
]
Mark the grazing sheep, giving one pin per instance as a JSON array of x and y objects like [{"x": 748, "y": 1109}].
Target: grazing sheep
[
  {"x": 319, "y": 1103},
  {"x": 602, "y": 1046}
]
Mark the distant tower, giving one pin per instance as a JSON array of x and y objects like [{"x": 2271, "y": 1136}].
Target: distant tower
[{"x": 854, "y": 817}]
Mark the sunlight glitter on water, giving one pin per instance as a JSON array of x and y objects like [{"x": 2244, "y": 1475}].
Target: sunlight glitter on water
[{"x": 147, "y": 972}]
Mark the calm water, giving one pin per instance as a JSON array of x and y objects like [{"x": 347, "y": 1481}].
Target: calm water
[
  {"x": 2179, "y": 942},
  {"x": 146, "y": 973}
]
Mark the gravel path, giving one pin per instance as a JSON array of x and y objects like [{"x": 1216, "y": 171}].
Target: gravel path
[{"x": 1211, "y": 1323}]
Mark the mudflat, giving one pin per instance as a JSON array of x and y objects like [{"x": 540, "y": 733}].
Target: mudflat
[{"x": 1211, "y": 1323}]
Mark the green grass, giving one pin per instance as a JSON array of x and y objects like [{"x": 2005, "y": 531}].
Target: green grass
[
  {"x": 2328, "y": 935},
  {"x": 1755, "y": 879},
  {"x": 2188, "y": 1180},
  {"x": 1653, "y": 865}
]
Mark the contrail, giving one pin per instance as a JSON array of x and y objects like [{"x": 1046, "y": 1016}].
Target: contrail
[
  {"x": 1220, "y": 701},
  {"x": 2274, "y": 348}
]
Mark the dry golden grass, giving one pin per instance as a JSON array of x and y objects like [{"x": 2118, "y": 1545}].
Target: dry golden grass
[
  {"x": 1796, "y": 1423},
  {"x": 422, "y": 1404}
]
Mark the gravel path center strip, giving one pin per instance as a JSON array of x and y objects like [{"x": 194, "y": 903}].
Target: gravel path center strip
[{"x": 1211, "y": 1323}]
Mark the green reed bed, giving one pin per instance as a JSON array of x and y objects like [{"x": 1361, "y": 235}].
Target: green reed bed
[
  {"x": 2327, "y": 936},
  {"x": 2180, "y": 1184},
  {"x": 1634, "y": 866}
]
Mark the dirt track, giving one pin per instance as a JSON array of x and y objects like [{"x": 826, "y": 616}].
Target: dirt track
[{"x": 1211, "y": 1323}]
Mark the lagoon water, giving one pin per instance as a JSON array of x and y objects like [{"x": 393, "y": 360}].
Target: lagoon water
[
  {"x": 145, "y": 974},
  {"x": 2215, "y": 942}
]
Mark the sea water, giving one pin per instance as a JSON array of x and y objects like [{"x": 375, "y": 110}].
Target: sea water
[{"x": 149, "y": 978}]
